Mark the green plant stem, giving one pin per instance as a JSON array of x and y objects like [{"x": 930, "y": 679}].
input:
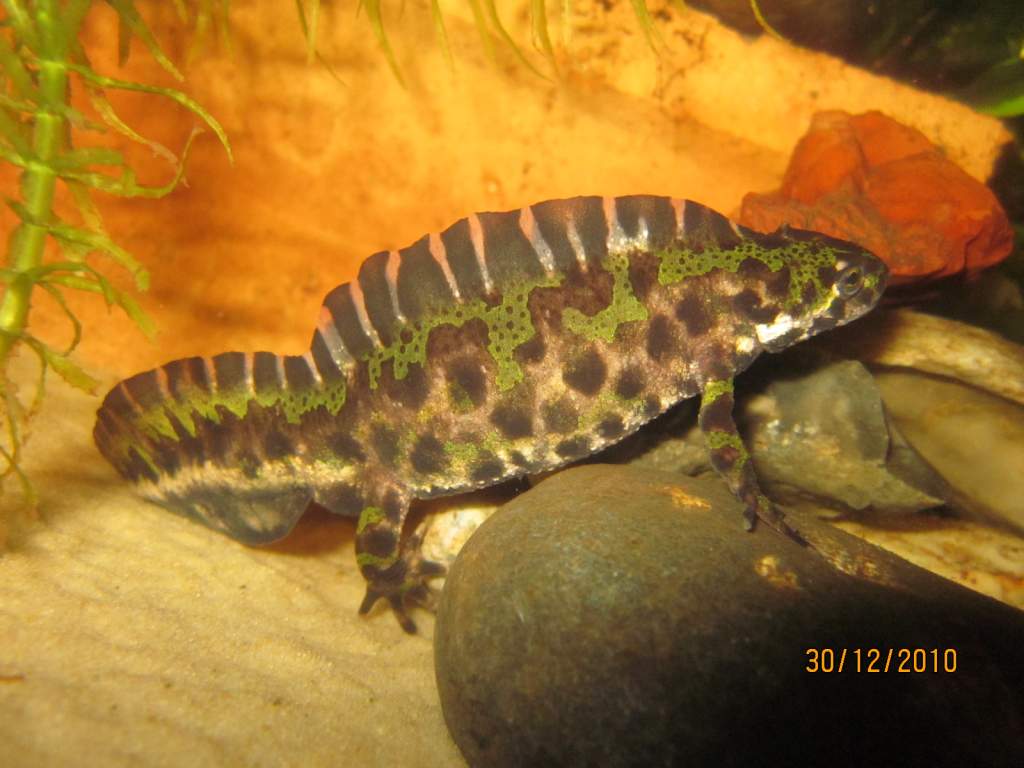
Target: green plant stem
[{"x": 38, "y": 182}]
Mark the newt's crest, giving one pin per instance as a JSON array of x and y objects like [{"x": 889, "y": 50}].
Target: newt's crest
[{"x": 510, "y": 343}]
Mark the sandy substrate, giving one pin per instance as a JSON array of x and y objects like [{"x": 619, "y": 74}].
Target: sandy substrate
[{"x": 128, "y": 636}]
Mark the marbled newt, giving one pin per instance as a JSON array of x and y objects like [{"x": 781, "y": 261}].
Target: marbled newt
[{"x": 508, "y": 344}]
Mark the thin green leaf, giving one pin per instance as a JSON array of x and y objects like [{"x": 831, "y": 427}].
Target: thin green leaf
[
  {"x": 136, "y": 313},
  {"x": 12, "y": 157},
  {"x": 85, "y": 156},
  {"x": 106, "y": 111},
  {"x": 130, "y": 16},
  {"x": 764, "y": 22},
  {"x": 124, "y": 41},
  {"x": 481, "y": 28},
  {"x": 78, "y": 120},
  {"x": 176, "y": 96},
  {"x": 70, "y": 20},
  {"x": 64, "y": 367},
  {"x": 492, "y": 12},
  {"x": 100, "y": 242},
  {"x": 19, "y": 77},
  {"x": 16, "y": 105},
  {"x": 86, "y": 207},
  {"x": 311, "y": 42},
  {"x": 643, "y": 16},
  {"x": 24, "y": 26},
  {"x": 16, "y": 134},
  {"x": 442, "y": 34},
  {"x": 999, "y": 91},
  {"x": 27, "y": 490},
  {"x": 539, "y": 25},
  {"x": 76, "y": 326},
  {"x": 309, "y": 27},
  {"x": 97, "y": 283},
  {"x": 377, "y": 24}
]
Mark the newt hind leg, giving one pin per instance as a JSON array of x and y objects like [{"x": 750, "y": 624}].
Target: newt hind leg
[
  {"x": 394, "y": 571},
  {"x": 731, "y": 460}
]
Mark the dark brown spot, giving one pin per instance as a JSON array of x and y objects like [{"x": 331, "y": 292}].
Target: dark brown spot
[
  {"x": 718, "y": 415},
  {"x": 643, "y": 273},
  {"x": 809, "y": 295},
  {"x": 630, "y": 383},
  {"x": 586, "y": 373},
  {"x": 513, "y": 421},
  {"x": 611, "y": 427},
  {"x": 531, "y": 351},
  {"x": 748, "y": 304},
  {"x": 412, "y": 391},
  {"x": 276, "y": 445},
  {"x": 560, "y": 416},
  {"x": 344, "y": 446},
  {"x": 250, "y": 463},
  {"x": 384, "y": 440},
  {"x": 466, "y": 382},
  {"x": 139, "y": 467},
  {"x": 428, "y": 455},
  {"x": 342, "y": 499},
  {"x": 652, "y": 406},
  {"x": 573, "y": 448},
  {"x": 518, "y": 459},
  {"x": 488, "y": 469},
  {"x": 776, "y": 286},
  {"x": 393, "y": 505},
  {"x": 378, "y": 541},
  {"x": 660, "y": 342},
  {"x": 690, "y": 311},
  {"x": 218, "y": 439},
  {"x": 827, "y": 275}
]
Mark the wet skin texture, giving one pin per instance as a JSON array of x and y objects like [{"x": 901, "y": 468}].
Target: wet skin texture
[{"x": 508, "y": 344}]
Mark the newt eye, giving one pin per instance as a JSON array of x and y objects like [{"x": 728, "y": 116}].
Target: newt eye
[{"x": 849, "y": 282}]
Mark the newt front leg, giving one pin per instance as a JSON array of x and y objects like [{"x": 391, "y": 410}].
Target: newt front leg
[
  {"x": 394, "y": 571},
  {"x": 731, "y": 460}
]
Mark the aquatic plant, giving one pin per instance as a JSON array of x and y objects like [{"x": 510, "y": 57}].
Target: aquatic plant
[
  {"x": 489, "y": 25},
  {"x": 41, "y": 61}
]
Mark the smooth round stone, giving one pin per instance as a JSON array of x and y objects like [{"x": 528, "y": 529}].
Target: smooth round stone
[{"x": 616, "y": 616}]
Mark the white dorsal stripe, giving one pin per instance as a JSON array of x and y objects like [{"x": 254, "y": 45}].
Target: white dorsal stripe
[
  {"x": 311, "y": 364},
  {"x": 391, "y": 278},
  {"x": 333, "y": 341},
  {"x": 617, "y": 240},
  {"x": 211, "y": 374},
  {"x": 679, "y": 206},
  {"x": 279, "y": 364},
  {"x": 163, "y": 383},
  {"x": 136, "y": 406},
  {"x": 359, "y": 302},
  {"x": 576, "y": 243},
  {"x": 247, "y": 378},
  {"x": 736, "y": 228},
  {"x": 476, "y": 237},
  {"x": 643, "y": 234},
  {"x": 440, "y": 255},
  {"x": 528, "y": 224}
]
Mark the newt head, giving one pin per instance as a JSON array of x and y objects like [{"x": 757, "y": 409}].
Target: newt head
[{"x": 831, "y": 282}]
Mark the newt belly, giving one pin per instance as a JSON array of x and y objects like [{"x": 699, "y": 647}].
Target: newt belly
[{"x": 508, "y": 344}]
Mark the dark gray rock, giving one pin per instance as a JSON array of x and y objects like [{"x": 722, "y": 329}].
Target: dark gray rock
[
  {"x": 815, "y": 431},
  {"x": 974, "y": 438},
  {"x": 615, "y": 616}
]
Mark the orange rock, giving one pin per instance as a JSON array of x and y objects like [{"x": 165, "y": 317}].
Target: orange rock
[{"x": 869, "y": 179}]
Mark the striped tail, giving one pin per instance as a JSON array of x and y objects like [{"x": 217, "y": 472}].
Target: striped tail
[{"x": 208, "y": 438}]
